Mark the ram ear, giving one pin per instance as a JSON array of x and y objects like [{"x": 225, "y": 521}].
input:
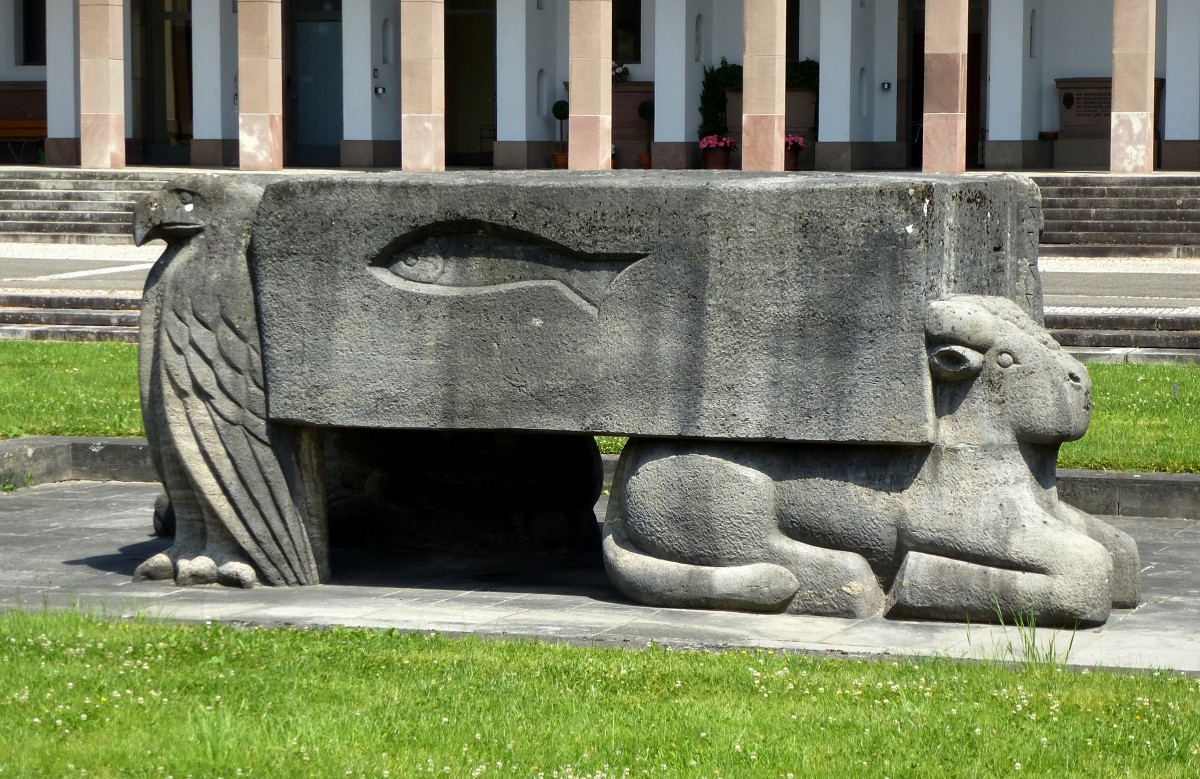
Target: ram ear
[{"x": 952, "y": 363}]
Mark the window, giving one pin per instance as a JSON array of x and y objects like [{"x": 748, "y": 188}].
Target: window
[
  {"x": 31, "y": 32},
  {"x": 627, "y": 31}
]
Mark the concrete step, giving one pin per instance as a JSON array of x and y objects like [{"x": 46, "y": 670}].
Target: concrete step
[
  {"x": 1148, "y": 320},
  {"x": 1051, "y": 202},
  {"x": 73, "y": 317},
  {"x": 95, "y": 215},
  {"x": 67, "y": 201},
  {"x": 94, "y": 239},
  {"x": 1094, "y": 251},
  {"x": 68, "y": 333},
  {"x": 93, "y": 185},
  {"x": 1085, "y": 213},
  {"x": 1123, "y": 192},
  {"x": 82, "y": 300},
  {"x": 1101, "y": 180},
  {"x": 1142, "y": 339},
  {"x": 1134, "y": 356},
  {"x": 72, "y": 226},
  {"x": 1125, "y": 227},
  {"x": 1118, "y": 238}
]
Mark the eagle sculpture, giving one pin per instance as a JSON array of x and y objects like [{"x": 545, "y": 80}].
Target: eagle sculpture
[{"x": 232, "y": 476}]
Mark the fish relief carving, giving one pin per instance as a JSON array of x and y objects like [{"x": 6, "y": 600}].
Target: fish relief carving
[{"x": 483, "y": 258}]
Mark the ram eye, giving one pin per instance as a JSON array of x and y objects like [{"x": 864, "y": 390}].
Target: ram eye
[{"x": 1005, "y": 360}]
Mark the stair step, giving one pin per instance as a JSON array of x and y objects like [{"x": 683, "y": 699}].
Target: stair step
[
  {"x": 1114, "y": 238},
  {"x": 63, "y": 316},
  {"x": 94, "y": 216},
  {"x": 67, "y": 333},
  {"x": 1094, "y": 251},
  {"x": 92, "y": 185},
  {"x": 1106, "y": 215},
  {"x": 1128, "y": 338},
  {"x": 82, "y": 300},
  {"x": 63, "y": 203},
  {"x": 67, "y": 227},
  {"x": 65, "y": 237},
  {"x": 1051, "y": 202},
  {"x": 1164, "y": 320}
]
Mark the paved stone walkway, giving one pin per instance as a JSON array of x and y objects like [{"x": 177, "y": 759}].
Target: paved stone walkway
[{"x": 75, "y": 545}]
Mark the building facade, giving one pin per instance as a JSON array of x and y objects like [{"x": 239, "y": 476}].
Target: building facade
[{"x": 940, "y": 85}]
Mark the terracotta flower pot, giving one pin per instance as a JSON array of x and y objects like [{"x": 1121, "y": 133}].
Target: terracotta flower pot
[
  {"x": 791, "y": 159},
  {"x": 717, "y": 159},
  {"x": 559, "y": 159},
  {"x": 644, "y": 160}
]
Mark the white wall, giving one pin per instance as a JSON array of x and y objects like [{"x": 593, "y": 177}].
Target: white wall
[
  {"x": 886, "y": 52},
  {"x": 644, "y": 70},
  {"x": 728, "y": 40},
  {"x": 837, "y": 72},
  {"x": 810, "y": 29},
  {"x": 1181, "y": 104},
  {"x": 385, "y": 108},
  {"x": 1033, "y": 73},
  {"x": 214, "y": 106},
  {"x": 673, "y": 39},
  {"x": 1079, "y": 44},
  {"x": 62, "y": 69}
]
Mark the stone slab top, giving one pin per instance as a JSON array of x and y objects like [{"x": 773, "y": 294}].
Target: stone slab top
[{"x": 712, "y": 305}]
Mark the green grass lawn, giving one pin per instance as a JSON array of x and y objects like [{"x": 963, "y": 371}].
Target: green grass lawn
[
  {"x": 86, "y": 389},
  {"x": 83, "y": 697},
  {"x": 1145, "y": 417}
]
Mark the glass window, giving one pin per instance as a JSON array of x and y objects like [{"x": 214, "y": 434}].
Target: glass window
[
  {"x": 31, "y": 32},
  {"x": 627, "y": 31}
]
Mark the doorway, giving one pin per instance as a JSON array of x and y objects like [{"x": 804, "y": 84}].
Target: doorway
[
  {"x": 470, "y": 82},
  {"x": 313, "y": 83},
  {"x": 977, "y": 41},
  {"x": 167, "y": 82}
]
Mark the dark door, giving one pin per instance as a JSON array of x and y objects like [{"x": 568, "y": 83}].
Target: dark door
[
  {"x": 470, "y": 81},
  {"x": 313, "y": 93},
  {"x": 167, "y": 82}
]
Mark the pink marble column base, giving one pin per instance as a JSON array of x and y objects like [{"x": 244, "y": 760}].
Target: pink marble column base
[
  {"x": 423, "y": 143},
  {"x": 1132, "y": 145},
  {"x": 762, "y": 142},
  {"x": 944, "y": 143},
  {"x": 260, "y": 141},
  {"x": 590, "y": 145}
]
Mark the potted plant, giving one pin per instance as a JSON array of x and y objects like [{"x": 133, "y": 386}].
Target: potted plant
[
  {"x": 717, "y": 150},
  {"x": 792, "y": 146},
  {"x": 646, "y": 113},
  {"x": 562, "y": 111}
]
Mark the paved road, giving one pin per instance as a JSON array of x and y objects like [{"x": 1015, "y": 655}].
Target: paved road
[{"x": 35, "y": 266}]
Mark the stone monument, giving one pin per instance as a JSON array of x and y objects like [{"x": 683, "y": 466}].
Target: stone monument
[{"x": 839, "y": 396}]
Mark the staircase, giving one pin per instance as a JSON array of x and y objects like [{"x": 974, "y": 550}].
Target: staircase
[
  {"x": 68, "y": 205},
  {"x": 40, "y": 316},
  {"x": 1120, "y": 216},
  {"x": 1132, "y": 335}
]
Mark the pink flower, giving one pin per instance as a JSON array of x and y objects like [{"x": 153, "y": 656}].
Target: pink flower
[
  {"x": 718, "y": 142},
  {"x": 793, "y": 142}
]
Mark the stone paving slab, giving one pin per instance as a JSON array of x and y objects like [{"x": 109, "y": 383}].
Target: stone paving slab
[{"x": 75, "y": 545}]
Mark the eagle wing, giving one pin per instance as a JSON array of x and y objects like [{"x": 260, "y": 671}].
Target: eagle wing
[{"x": 245, "y": 469}]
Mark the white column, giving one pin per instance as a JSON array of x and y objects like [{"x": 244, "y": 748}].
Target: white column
[
  {"x": 810, "y": 29},
  {"x": 62, "y": 80},
  {"x": 835, "y": 111},
  {"x": 514, "y": 84},
  {"x": 672, "y": 36},
  {"x": 1182, "y": 99},
  {"x": 358, "y": 88},
  {"x": 1007, "y": 34},
  {"x": 209, "y": 88},
  {"x": 886, "y": 43}
]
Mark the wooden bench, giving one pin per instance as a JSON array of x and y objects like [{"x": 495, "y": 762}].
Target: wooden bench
[{"x": 17, "y": 132}]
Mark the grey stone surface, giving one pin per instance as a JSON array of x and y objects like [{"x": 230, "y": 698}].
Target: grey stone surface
[
  {"x": 74, "y": 546},
  {"x": 969, "y": 528},
  {"x": 42, "y": 459},
  {"x": 794, "y": 316},
  {"x": 242, "y": 510},
  {"x": 706, "y": 305}
]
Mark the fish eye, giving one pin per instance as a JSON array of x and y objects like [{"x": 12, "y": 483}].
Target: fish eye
[{"x": 185, "y": 197}]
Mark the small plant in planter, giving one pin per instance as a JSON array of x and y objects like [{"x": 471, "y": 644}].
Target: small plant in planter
[
  {"x": 562, "y": 111},
  {"x": 646, "y": 113},
  {"x": 717, "y": 149},
  {"x": 792, "y": 146}
]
